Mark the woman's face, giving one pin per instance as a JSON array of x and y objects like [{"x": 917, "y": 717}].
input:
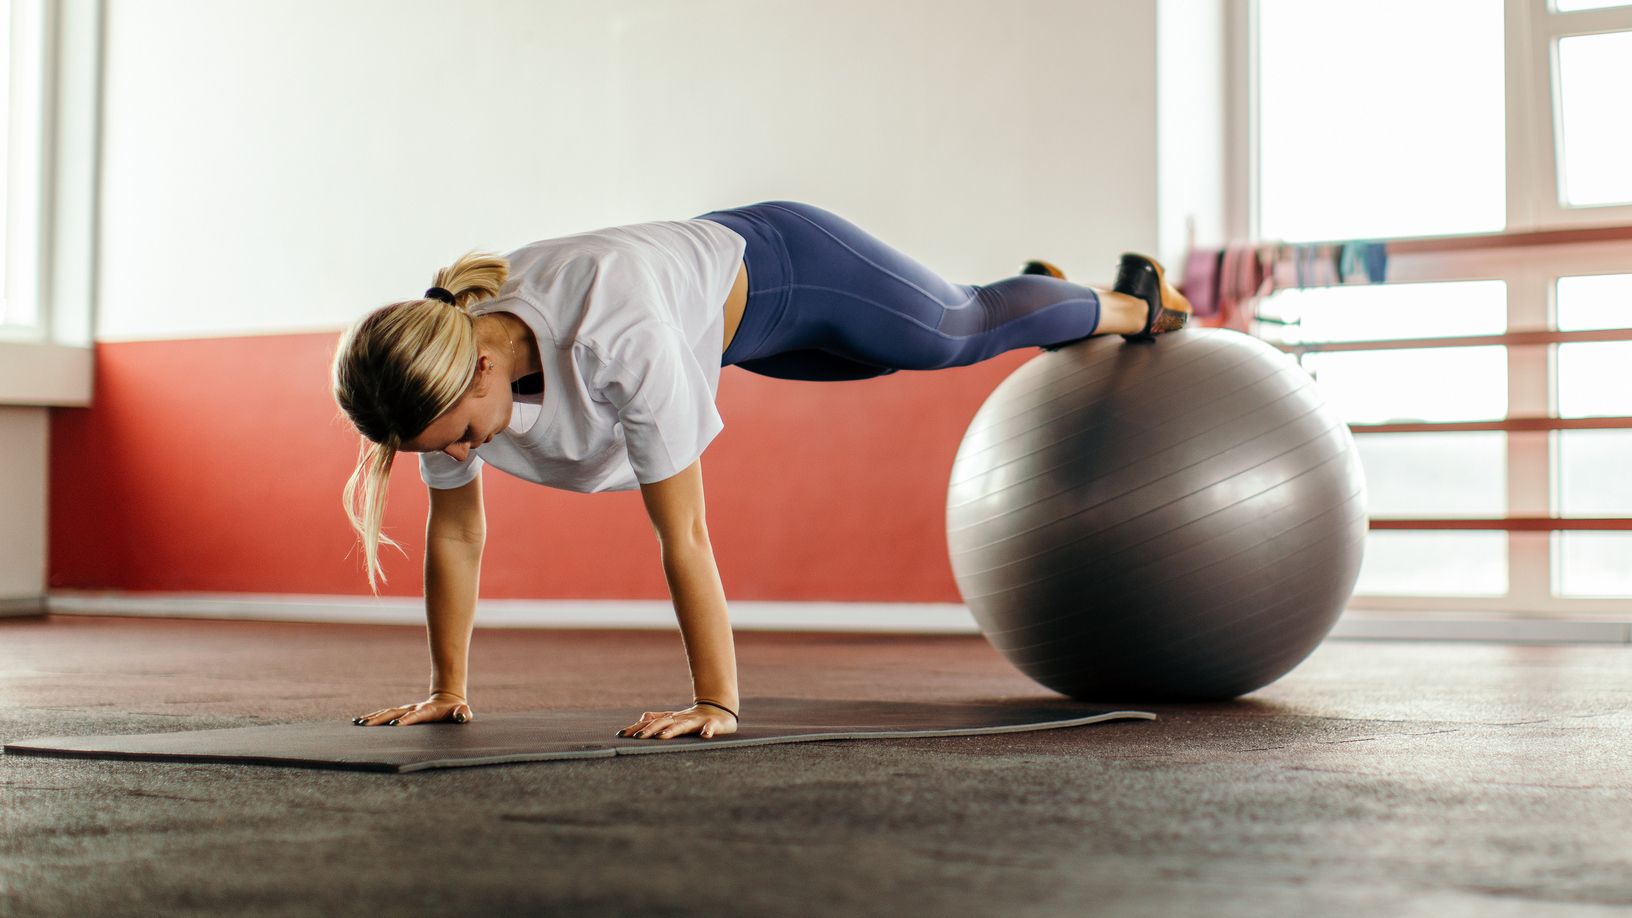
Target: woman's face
[{"x": 472, "y": 421}]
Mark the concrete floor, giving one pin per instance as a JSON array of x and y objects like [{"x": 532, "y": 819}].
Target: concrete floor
[{"x": 1376, "y": 779}]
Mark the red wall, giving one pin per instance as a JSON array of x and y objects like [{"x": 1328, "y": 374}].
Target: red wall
[{"x": 216, "y": 465}]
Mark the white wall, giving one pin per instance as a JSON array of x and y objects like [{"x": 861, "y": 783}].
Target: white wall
[
  {"x": 287, "y": 166},
  {"x": 1191, "y": 139},
  {"x": 24, "y": 466}
]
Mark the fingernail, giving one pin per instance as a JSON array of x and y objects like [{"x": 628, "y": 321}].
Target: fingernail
[
  {"x": 460, "y": 718},
  {"x": 393, "y": 723}
]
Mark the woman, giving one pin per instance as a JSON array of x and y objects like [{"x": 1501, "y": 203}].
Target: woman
[{"x": 591, "y": 363}]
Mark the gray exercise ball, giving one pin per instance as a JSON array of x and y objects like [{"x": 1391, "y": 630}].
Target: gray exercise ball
[{"x": 1177, "y": 519}]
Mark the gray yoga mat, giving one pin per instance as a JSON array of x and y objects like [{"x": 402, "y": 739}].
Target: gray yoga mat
[{"x": 494, "y": 739}]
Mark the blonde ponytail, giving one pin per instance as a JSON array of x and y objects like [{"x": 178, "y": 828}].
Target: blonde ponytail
[
  {"x": 395, "y": 371},
  {"x": 364, "y": 498}
]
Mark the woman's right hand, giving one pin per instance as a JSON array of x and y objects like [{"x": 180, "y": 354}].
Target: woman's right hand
[{"x": 440, "y": 706}]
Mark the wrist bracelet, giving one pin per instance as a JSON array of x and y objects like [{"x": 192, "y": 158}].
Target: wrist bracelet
[{"x": 717, "y": 705}]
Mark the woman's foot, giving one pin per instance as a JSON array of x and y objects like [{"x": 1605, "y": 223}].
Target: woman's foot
[
  {"x": 1143, "y": 277},
  {"x": 1119, "y": 313},
  {"x": 1042, "y": 267}
]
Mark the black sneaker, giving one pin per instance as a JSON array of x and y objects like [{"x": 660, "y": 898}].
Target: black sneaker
[{"x": 1143, "y": 277}]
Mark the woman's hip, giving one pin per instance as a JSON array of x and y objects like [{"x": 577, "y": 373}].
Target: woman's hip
[{"x": 810, "y": 269}]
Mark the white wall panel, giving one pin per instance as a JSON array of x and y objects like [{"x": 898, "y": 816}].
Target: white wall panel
[
  {"x": 286, "y": 166},
  {"x": 24, "y": 466}
]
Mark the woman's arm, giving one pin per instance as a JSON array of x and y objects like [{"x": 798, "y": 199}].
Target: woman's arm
[
  {"x": 677, "y": 512},
  {"x": 455, "y": 533}
]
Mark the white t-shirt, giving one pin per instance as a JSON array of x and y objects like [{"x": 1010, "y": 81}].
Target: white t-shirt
[{"x": 629, "y": 322}]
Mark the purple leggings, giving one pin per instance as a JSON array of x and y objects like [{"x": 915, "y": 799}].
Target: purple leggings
[{"x": 827, "y": 301}]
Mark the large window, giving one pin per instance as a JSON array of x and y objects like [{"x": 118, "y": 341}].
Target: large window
[
  {"x": 1370, "y": 129},
  {"x": 50, "y": 57},
  {"x": 26, "y": 25},
  {"x": 1483, "y": 119},
  {"x": 12, "y": 312}
]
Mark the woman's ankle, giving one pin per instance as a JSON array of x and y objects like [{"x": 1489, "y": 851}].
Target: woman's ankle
[{"x": 1121, "y": 314}]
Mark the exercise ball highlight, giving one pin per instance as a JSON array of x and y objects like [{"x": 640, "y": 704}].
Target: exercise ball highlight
[{"x": 1172, "y": 520}]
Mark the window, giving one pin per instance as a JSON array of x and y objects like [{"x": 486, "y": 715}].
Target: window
[
  {"x": 50, "y": 68},
  {"x": 23, "y": 181},
  {"x": 1591, "y": 479},
  {"x": 1579, "y": 141},
  {"x": 26, "y": 27},
  {"x": 1596, "y": 136},
  {"x": 1359, "y": 129},
  {"x": 11, "y": 312},
  {"x": 1370, "y": 129}
]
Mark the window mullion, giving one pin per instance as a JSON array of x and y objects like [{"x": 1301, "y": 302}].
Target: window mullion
[
  {"x": 1529, "y": 118},
  {"x": 1529, "y": 469},
  {"x": 1549, "y": 25}
]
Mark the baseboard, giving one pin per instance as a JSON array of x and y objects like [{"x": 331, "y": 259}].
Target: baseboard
[
  {"x": 1359, "y": 625},
  {"x": 18, "y": 606},
  {"x": 912, "y": 618},
  {"x": 918, "y": 618}
]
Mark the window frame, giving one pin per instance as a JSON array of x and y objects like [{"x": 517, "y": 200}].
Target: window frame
[
  {"x": 1530, "y": 275},
  {"x": 27, "y": 162},
  {"x": 51, "y": 227},
  {"x": 1535, "y": 114},
  {"x": 1532, "y": 30}
]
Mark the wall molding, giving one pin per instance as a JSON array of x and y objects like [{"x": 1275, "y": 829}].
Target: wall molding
[{"x": 912, "y": 618}]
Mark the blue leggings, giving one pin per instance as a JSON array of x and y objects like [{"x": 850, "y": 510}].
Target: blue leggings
[{"x": 827, "y": 301}]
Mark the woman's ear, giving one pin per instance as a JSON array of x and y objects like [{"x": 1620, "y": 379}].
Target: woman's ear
[
  {"x": 478, "y": 379},
  {"x": 486, "y": 378}
]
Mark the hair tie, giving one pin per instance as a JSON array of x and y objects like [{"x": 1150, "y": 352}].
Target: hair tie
[{"x": 437, "y": 293}]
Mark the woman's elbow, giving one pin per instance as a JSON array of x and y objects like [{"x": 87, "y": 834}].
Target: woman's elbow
[{"x": 690, "y": 537}]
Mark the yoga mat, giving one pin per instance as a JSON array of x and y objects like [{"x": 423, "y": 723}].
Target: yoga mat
[{"x": 495, "y": 739}]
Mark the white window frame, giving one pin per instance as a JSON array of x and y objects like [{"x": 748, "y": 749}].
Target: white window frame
[
  {"x": 1534, "y": 202},
  {"x": 1534, "y": 137},
  {"x": 1530, "y": 275},
  {"x": 51, "y": 205},
  {"x": 26, "y": 161}
]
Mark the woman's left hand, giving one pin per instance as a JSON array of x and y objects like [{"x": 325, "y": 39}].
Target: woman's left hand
[{"x": 705, "y": 720}]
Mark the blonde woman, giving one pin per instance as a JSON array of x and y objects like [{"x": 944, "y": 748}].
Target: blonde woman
[{"x": 591, "y": 363}]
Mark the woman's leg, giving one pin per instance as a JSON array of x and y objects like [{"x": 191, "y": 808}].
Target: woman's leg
[
  {"x": 1119, "y": 314},
  {"x": 857, "y": 307}
]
